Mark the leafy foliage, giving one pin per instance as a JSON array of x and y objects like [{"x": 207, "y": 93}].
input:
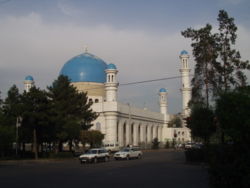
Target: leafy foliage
[
  {"x": 205, "y": 54},
  {"x": 155, "y": 143},
  {"x": 12, "y": 107},
  {"x": 55, "y": 116},
  {"x": 232, "y": 111},
  {"x": 35, "y": 116},
  {"x": 6, "y": 134},
  {"x": 218, "y": 66},
  {"x": 70, "y": 110},
  {"x": 92, "y": 137},
  {"x": 231, "y": 66},
  {"x": 219, "y": 74},
  {"x": 175, "y": 122},
  {"x": 201, "y": 122}
]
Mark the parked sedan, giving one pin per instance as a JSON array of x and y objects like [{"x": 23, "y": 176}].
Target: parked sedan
[
  {"x": 94, "y": 155},
  {"x": 128, "y": 153}
]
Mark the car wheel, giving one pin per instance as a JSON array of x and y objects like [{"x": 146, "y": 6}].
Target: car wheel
[
  {"x": 127, "y": 157},
  {"x": 95, "y": 160},
  {"x": 139, "y": 156}
]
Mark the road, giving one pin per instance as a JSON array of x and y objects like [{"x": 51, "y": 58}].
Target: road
[{"x": 156, "y": 169}]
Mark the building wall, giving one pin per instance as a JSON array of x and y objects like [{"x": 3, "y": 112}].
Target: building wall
[{"x": 93, "y": 89}]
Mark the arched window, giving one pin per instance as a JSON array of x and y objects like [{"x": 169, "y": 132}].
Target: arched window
[
  {"x": 96, "y": 100},
  {"x": 90, "y": 100},
  {"x": 112, "y": 78}
]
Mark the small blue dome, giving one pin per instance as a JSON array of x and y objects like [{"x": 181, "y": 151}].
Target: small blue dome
[
  {"x": 29, "y": 78},
  {"x": 162, "y": 90},
  {"x": 184, "y": 52},
  {"x": 85, "y": 68},
  {"x": 111, "y": 66}
]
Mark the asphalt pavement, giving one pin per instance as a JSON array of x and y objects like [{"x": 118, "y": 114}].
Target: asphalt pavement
[{"x": 162, "y": 168}]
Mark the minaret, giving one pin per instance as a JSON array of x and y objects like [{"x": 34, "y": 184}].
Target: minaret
[
  {"x": 28, "y": 83},
  {"x": 111, "y": 84},
  {"x": 186, "y": 89},
  {"x": 164, "y": 110},
  {"x": 163, "y": 101}
]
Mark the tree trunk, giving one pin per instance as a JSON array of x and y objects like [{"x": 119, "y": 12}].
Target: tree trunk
[
  {"x": 35, "y": 144},
  {"x": 70, "y": 145},
  {"x": 23, "y": 147},
  {"x": 42, "y": 149},
  {"x": 60, "y": 146}
]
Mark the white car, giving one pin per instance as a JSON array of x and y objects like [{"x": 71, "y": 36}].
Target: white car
[
  {"x": 94, "y": 155},
  {"x": 112, "y": 147},
  {"x": 188, "y": 145},
  {"x": 128, "y": 153}
]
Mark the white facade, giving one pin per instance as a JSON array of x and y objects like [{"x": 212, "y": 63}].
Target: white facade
[{"x": 123, "y": 124}]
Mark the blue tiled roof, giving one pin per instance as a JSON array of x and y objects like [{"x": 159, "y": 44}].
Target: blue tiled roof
[
  {"x": 85, "y": 68},
  {"x": 184, "y": 52},
  {"x": 111, "y": 66},
  {"x": 162, "y": 90},
  {"x": 29, "y": 78}
]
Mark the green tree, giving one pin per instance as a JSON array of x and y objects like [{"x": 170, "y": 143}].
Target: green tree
[
  {"x": 155, "y": 143},
  {"x": 35, "y": 117},
  {"x": 175, "y": 122},
  {"x": 6, "y": 134},
  {"x": 218, "y": 66},
  {"x": 12, "y": 107},
  {"x": 92, "y": 137},
  {"x": 201, "y": 123},
  {"x": 233, "y": 115},
  {"x": 205, "y": 54},
  {"x": 70, "y": 111},
  {"x": 231, "y": 66},
  {"x": 10, "y": 111},
  {"x": 229, "y": 162}
]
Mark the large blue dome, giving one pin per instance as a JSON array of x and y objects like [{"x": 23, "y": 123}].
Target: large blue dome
[{"x": 85, "y": 68}]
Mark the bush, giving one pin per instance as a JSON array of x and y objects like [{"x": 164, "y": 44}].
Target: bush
[
  {"x": 155, "y": 143},
  {"x": 167, "y": 144},
  {"x": 229, "y": 166}
]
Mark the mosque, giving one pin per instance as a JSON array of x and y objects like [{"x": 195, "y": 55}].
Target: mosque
[{"x": 123, "y": 124}]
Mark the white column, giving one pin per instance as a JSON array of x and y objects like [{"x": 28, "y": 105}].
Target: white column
[
  {"x": 111, "y": 127},
  {"x": 135, "y": 135},
  {"x": 143, "y": 133},
  {"x": 120, "y": 134},
  {"x": 159, "y": 133},
  {"x": 149, "y": 134},
  {"x": 128, "y": 134},
  {"x": 154, "y": 132}
]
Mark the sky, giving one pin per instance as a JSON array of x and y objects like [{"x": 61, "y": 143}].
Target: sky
[{"x": 141, "y": 37}]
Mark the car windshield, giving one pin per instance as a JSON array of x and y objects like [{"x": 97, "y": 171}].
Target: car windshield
[
  {"x": 125, "y": 150},
  {"x": 91, "y": 152}
]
